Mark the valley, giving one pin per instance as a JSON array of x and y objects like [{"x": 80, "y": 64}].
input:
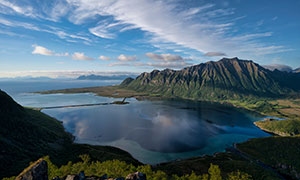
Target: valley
[
  {"x": 247, "y": 98},
  {"x": 149, "y": 90}
]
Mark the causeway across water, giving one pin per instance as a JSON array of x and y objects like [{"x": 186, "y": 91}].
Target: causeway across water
[{"x": 81, "y": 105}]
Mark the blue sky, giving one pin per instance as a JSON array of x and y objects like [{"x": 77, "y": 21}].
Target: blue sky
[{"x": 72, "y": 37}]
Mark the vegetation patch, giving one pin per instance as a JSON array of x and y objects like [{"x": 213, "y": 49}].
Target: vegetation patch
[
  {"x": 281, "y": 153},
  {"x": 116, "y": 168}
]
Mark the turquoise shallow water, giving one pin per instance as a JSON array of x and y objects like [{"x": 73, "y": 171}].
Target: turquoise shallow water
[{"x": 152, "y": 131}]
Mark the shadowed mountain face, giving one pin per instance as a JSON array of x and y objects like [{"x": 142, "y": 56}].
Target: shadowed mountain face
[
  {"x": 227, "y": 78},
  {"x": 27, "y": 135}
]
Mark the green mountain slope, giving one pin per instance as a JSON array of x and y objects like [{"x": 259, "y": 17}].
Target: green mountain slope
[
  {"x": 26, "y": 135},
  {"x": 281, "y": 153},
  {"x": 224, "y": 79}
]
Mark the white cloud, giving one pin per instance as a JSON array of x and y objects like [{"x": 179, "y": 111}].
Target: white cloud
[
  {"x": 81, "y": 56},
  {"x": 102, "y": 32},
  {"x": 42, "y": 51},
  {"x": 280, "y": 67},
  {"x": 275, "y": 18},
  {"x": 52, "y": 30},
  {"x": 59, "y": 9},
  {"x": 46, "y": 52},
  {"x": 120, "y": 64},
  {"x": 123, "y": 57},
  {"x": 259, "y": 23},
  {"x": 63, "y": 35},
  {"x": 205, "y": 28},
  {"x": 19, "y": 24},
  {"x": 11, "y": 33},
  {"x": 252, "y": 36},
  {"x": 210, "y": 54},
  {"x": 264, "y": 50},
  {"x": 62, "y": 73},
  {"x": 104, "y": 58},
  {"x": 164, "y": 57},
  {"x": 201, "y": 28},
  {"x": 11, "y": 7},
  {"x": 176, "y": 65},
  {"x": 195, "y": 10}
]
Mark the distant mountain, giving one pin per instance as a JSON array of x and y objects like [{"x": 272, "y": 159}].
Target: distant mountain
[
  {"x": 297, "y": 70},
  {"x": 279, "y": 67},
  {"x": 224, "y": 79},
  {"x": 98, "y": 77},
  {"x": 41, "y": 78}
]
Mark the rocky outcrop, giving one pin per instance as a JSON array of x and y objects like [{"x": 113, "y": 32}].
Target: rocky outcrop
[
  {"x": 36, "y": 171},
  {"x": 81, "y": 176},
  {"x": 136, "y": 176},
  {"x": 39, "y": 171}
]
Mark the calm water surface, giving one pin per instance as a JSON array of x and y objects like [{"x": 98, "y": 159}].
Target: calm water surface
[{"x": 152, "y": 131}]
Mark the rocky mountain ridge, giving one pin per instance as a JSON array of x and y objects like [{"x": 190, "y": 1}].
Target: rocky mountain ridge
[{"x": 223, "y": 79}]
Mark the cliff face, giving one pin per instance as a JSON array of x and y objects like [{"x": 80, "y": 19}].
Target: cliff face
[{"x": 222, "y": 79}]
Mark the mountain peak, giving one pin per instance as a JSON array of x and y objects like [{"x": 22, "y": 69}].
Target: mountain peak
[
  {"x": 235, "y": 59},
  {"x": 230, "y": 59},
  {"x": 226, "y": 78}
]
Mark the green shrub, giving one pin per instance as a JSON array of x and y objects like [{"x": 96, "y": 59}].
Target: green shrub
[{"x": 116, "y": 168}]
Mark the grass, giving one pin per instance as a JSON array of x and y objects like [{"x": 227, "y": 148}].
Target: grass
[
  {"x": 116, "y": 169},
  {"x": 281, "y": 153},
  {"x": 288, "y": 127},
  {"x": 226, "y": 161},
  {"x": 107, "y": 91}
]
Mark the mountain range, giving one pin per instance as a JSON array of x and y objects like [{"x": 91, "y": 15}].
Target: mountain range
[
  {"x": 297, "y": 70},
  {"x": 99, "y": 77},
  {"x": 279, "y": 67},
  {"x": 225, "y": 79}
]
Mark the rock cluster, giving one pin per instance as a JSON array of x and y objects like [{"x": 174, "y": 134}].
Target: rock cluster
[
  {"x": 81, "y": 176},
  {"x": 36, "y": 171},
  {"x": 39, "y": 171}
]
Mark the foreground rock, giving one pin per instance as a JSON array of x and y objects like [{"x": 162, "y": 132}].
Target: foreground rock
[
  {"x": 136, "y": 176},
  {"x": 36, "y": 171},
  {"x": 39, "y": 171},
  {"x": 81, "y": 176}
]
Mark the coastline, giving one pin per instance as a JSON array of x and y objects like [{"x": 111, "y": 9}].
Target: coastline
[
  {"x": 266, "y": 130},
  {"x": 263, "y": 107},
  {"x": 106, "y": 92}
]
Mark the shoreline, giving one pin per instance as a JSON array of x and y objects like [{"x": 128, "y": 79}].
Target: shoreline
[
  {"x": 153, "y": 98},
  {"x": 266, "y": 130},
  {"x": 226, "y": 155}
]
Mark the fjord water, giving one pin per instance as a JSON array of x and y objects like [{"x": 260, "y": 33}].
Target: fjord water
[{"x": 152, "y": 131}]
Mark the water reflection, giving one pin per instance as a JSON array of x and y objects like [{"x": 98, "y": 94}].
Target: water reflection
[{"x": 160, "y": 130}]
